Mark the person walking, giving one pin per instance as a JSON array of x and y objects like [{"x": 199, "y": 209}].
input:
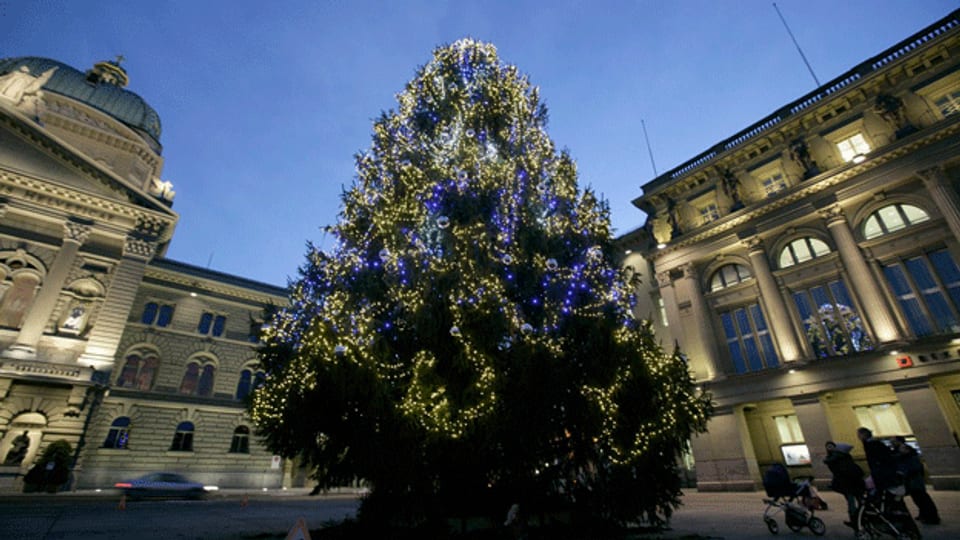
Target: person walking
[
  {"x": 847, "y": 476},
  {"x": 880, "y": 460},
  {"x": 911, "y": 468}
]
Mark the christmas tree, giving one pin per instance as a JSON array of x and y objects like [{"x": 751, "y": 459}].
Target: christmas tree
[{"x": 470, "y": 341}]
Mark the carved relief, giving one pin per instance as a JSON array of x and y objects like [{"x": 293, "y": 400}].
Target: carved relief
[
  {"x": 78, "y": 232},
  {"x": 138, "y": 248}
]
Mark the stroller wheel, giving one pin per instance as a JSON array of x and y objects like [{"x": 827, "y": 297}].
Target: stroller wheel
[
  {"x": 816, "y": 526},
  {"x": 772, "y": 525},
  {"x": 795, "y": 527}
]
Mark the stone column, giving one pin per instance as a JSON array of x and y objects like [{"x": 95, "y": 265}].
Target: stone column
[
  {"x": 816, "y": 432},
  {"x": 938, "y": 184},
  {"x": 776, "y": 310},
  {"x": 108, "y": 328},
  {"x": 75, "y": 234},
  {"x": 697, "y": 339},
  {"x": 724, "y": 455},
  {"x": 669, "y": 301},
  {"x": 933, "y": 433},
  {"x": 873, "y": 304}
]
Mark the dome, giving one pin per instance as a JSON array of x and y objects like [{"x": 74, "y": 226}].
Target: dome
[{"x": 100, "y": 88}]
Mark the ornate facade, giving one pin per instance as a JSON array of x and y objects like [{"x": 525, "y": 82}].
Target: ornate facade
[
  {"x": 139, "y": 362},
  {"x": 809, "y": 266}
]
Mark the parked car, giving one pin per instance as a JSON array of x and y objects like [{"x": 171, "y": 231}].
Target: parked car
[{"x": 161, "y": 484}]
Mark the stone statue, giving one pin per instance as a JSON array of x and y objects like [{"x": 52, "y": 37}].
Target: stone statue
[
  {"x": 893, "y": 112},
  {"x": 17, "y": 84},
  {"x": 800, "y": 153},
  {"x": 731, "y": 188},
  {"x": 75, "y": 320},
  {"x": 18, "y": 449},
  {"x": 673, "y": 218}
]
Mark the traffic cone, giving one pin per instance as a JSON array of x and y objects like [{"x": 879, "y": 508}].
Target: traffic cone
[
  {"x": 123, "y": 502},
  {"x": 245, "y": 501}
]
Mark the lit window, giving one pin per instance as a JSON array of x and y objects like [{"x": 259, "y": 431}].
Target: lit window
[
  {"x": 830, "y": 321},
  {"x": 183, "y": 438},
  {"x": 157, "y": 314},
  {"x": 139, "y": 370},
  {"x": 852, "y": 146},
  {"x": 883, "y": 419},
  {"x": 928, "y": 290},
  {"x": 802, "y": 250},
  {"x": 119, "y": 434},
  {"x": 240, "y": 444},
  {"x": 892, "y": 218},
  {"x": 198, "y": 379},
  {"x": 709, "y": 213},
  {"x": 729, "y": 275},
  {"x": 949, "y": 103},
  {"x": 748, "y": 339},
  {"x": 211, "y": 324},
  {"x": 788, "y": 426},
  {"x": 774, "y": 184},
  {"x": 663, "y": 311}
]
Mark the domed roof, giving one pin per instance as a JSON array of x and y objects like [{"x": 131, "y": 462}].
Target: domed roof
[{"x": 100, "y": 88}]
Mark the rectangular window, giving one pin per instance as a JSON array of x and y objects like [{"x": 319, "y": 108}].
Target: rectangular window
[
  {"x": 883, "y": 419},
  {"x": 663, "y": 311},
  {"x": 830, "y": 321},
  {"x": 212, "y": 324},
  {"x": 788, "y": 426},
  {"x": 928, "y": 290},
  {"x": 852, "y": 146},
  {"x": 157, "y": 314},
  {"x": 949, "y": 103},
  {"x": 748, "y": 339},
  {"x": 774, "y": 184},
  {"x": 709, "y": 213}
]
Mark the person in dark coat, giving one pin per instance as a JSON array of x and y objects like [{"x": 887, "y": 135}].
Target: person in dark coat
[
  {"x": 847, "y": 476},
  {"x": 880, "y": 459},
  {"x": 911, "y": 468}
]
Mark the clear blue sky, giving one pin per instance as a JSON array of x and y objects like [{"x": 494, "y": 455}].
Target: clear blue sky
[{"x": 263, "y": 104}]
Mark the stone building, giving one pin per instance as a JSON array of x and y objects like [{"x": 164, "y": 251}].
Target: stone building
[
  {"x": 808, "y": 267},
  {"x": 139, "y": 362}
]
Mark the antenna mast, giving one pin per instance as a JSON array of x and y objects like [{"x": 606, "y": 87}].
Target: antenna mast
[
  {"x": 650, "y": 150},
  {"x": 797, "y": 45}
]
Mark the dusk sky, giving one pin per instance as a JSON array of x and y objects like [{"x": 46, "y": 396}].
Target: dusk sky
[{"x": 264, "y": 104}]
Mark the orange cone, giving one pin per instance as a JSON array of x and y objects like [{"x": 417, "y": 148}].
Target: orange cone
[
  {"x": 123, "y": 502},
  {"x": 245, "y": 501}
]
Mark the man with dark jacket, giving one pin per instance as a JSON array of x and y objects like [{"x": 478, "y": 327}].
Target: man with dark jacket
[
  {"x": 910, "y": 468},
  {"x": 880, "y": 459},
  {"x": 847, "y": 476}
]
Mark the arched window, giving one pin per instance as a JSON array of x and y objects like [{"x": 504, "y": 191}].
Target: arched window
[
  {"x": 802, "y": 250},
  {"x": 892, "y": 218},
  {"x": 183, "y": 438},
  {"x": 250, "y": 379},
  {"x": 240, "y": 444},
  {"x": 198, "y": 378},
  {"x": 119, "y": 434},
  {"x": 139, "y": 370},
  {"x": 729, "y": 275}
]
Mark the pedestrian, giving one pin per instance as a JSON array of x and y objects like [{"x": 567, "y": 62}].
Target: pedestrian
[
  {"x": 911, "y": 468},
  {"x": 880, "y": 460},
  {"x": 847, "y": 476}
]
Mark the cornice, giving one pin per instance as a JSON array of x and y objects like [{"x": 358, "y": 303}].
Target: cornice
[
  {"x": 207, "y": 286},
  {"x": 28, "y": 190},
  {"x": 806, "y": 189}
]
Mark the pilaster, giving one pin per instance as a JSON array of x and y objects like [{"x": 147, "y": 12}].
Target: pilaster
[
  {"x": 937, "y": 183},
  {"x": 777, "y": 315},
  {"x": 108, "y": 328}
]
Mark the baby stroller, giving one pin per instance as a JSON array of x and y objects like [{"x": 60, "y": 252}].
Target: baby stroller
[
  {"x": 786, "y": 496},
  {"x": 883, "y": 513}
]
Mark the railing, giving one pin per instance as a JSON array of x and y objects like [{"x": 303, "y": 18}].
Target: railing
[{"x": 863, "y": 69}]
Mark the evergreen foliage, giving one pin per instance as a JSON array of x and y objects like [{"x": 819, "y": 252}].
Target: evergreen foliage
[{"x": 470, "y": 342}]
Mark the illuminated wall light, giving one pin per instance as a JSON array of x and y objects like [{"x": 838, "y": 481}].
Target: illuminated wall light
[
  {"x": 661, "y": 245},
  {"x": 859, "y": 158}
]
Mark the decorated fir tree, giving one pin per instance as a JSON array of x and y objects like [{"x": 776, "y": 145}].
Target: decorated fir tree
[{"x": 470, "y": 342}]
